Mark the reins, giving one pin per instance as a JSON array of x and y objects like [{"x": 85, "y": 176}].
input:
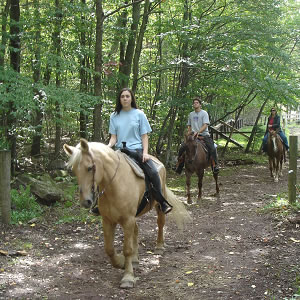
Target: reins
[
  {"x": 196, "y": 152},
  {"x": 95, "y": 192}
]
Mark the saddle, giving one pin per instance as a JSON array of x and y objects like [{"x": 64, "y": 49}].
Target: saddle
[{"x": 138, "y": 171}]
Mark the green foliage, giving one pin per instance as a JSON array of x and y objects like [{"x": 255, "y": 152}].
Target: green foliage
[
  {"x": 26, "y": 207},
  {"x": 281, "y": 207}
]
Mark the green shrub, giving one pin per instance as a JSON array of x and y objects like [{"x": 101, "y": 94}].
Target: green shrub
[{"x": 26, "y": 207}]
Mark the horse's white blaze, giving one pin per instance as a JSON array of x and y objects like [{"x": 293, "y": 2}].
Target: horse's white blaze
[{"x": 274, "y": 144}]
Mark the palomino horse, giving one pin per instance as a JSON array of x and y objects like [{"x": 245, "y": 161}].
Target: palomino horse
[
  {"x": 105, "y": 175},
  {"x": 276, "y": 154},
  {"x": 196, "y": 161}
]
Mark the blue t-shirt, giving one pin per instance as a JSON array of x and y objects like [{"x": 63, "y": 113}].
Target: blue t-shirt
[{"x": 129, "y": 126}]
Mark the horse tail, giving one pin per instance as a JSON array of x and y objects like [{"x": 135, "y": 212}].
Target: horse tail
[{"x": 179, "y": 214}]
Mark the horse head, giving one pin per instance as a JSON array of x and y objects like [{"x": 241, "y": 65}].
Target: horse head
[
  {"x": 273, "y": 140},
  {"x": 83, "y": 165},
  {"x": 191, "y": 147}
]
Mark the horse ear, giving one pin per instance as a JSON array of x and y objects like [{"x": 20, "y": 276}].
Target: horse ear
[
  {"x": 84, "y": 145},
  {"x": 68, "y": 149}
]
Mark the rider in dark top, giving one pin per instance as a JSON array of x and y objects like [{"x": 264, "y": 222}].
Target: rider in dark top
[{"x": 274, "y": 124}]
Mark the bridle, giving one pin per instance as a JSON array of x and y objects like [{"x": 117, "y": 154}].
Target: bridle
[{"x": 95, "y": 191}]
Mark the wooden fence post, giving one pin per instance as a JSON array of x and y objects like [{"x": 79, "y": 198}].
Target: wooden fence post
[
  {"x": 5, "y": 201},
  {"x": 292, "y": 179}
]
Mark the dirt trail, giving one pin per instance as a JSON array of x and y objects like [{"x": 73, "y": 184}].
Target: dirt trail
[{"x": 231, "y": 251}]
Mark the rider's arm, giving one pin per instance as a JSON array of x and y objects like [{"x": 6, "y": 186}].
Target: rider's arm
[
  {"x": 145, "y": 142},
  {"x": 112, "y": 141},
  {"x": 203, "y": 127}
]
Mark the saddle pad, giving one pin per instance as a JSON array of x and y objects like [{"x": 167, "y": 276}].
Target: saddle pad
[{"x": 134, "y": 166}]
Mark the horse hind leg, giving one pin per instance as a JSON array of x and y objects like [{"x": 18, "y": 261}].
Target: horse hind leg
[
  {"x": 160, "y": 243},
  {"x": 135, "y": 256},
  {"x": 217, "y": 185}
]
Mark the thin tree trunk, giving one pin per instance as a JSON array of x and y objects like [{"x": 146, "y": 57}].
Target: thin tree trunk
[
  {"x": 98, "y": 134},
  {"x": 37, "y": 121},
  {"x": 57, "y": 47},
  {"x": 139, "y": 45},
  {"x": 15, "y": 45},
  {"x": 125, "y": 65},
  {"x": 255, "y": 126},
  {"x": 83, "y": 80},
  {"x": 4, "y": 35},
  {"x": 183, "y": 81},
  {"x": 241, "y": 107}
]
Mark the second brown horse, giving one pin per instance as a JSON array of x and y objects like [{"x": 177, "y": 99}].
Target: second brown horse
[{"x": 196, "y": 162}]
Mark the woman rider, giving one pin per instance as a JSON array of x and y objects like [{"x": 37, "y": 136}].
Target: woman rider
[
  {"x": 274, "y": 124},
  {"x": 129, "y": 130}
]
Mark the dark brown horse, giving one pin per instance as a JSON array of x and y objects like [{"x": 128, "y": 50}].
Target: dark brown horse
[
  {"x": 196, "y": 162},
  {"x": 276, "y": 154}
]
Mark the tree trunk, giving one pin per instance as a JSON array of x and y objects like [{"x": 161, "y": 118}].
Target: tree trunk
[
  {"x": 98, "y": 134},
  {"x": 139, "y": 45},
  {"x": 38, "y": 117},
  {"x": 57, "y": 47},
  {"x": 183, "y": 81},
  {"x": 5, "y": 200},
  {"x": 15, "y": 46},
  {"x": 241, "y": 107},
  {"x": 4, "y": 35},
  {"x": 83, "y": 79},
  {"x": 255, "y": 126},
  {"x": 125, "y": 65}
]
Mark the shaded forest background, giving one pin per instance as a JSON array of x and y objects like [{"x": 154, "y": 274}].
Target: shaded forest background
[{"x": 62, "y": 64}]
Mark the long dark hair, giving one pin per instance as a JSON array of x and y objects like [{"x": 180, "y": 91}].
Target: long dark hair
[{"x": 118, "y": 102}]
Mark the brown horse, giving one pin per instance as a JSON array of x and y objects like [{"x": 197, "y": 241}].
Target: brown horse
[
  {"x": 276, "y": 154},
  {"x": 105, "y": 175},
  {"x": 196, "y": 162}
]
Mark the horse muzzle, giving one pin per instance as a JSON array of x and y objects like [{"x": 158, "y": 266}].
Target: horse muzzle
[{"x": 86, "y": 203}]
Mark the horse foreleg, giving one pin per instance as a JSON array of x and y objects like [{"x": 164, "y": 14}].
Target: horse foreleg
[
  {"x": 129, "y": 228},
  {"x": 117, "y": 260},
  {"x": 188, "y": 188},
  {"x": 160, "y": 243},
  {"x": 271, "y": 166},
  {"x": 200, "y": 179}
]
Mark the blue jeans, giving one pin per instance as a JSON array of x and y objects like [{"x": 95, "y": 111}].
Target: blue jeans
[{"x": 283, "y": 137}]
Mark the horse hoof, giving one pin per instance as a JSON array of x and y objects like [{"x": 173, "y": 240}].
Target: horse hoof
[
  {"x": 127, "y": 282},
  {"x": 189, "y": 201}
]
